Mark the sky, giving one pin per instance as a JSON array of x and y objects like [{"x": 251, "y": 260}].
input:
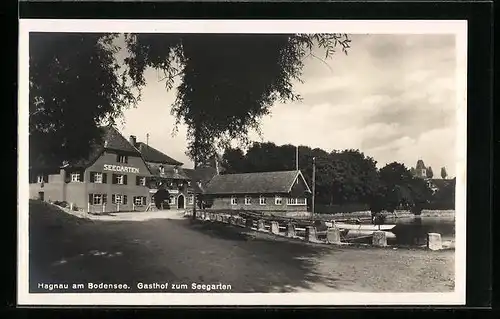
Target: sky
[{"x": 393, "y": 97}]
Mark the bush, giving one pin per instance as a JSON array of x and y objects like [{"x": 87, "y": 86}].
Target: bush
[{"x": 75, "y": 208}]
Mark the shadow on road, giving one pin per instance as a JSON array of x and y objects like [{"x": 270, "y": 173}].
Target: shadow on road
[{"x": 66, "y": 249}]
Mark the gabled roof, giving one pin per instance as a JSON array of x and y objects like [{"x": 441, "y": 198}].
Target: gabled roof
[
  {"x": 169, "y": 171},
  {"x": 254, "y": 183},
  {"x": 150, "y": 154},
  {"x": 202, "y": 175},
  {"x": 111, "y": 140}
]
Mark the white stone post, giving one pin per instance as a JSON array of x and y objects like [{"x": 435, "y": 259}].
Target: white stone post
[
  {"x": 275, "y": 229},
  {"x": 333, "y": 235},
  {"x": 434, "y": 241},
  {"x": 290, "y": 230},
  {"x": 118, "y": 207},
  {"x": 311, "y": 234},
  {"x": 260, "y": 225},
  {"x": 379, "y": 239},
  {"x": 88, "y": 208}
]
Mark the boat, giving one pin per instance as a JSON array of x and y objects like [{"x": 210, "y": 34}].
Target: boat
[{"x": 365, "y": 227}]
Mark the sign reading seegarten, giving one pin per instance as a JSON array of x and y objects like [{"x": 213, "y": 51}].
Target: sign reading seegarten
[{"x": 121, "y": 169}]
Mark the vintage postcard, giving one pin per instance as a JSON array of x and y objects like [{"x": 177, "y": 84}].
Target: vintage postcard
[{"x": 252, "y": 162}]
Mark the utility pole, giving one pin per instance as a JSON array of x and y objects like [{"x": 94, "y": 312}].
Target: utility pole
[
  {"x": 313, "y": 187},
  {"x": 147, "y": 139}
]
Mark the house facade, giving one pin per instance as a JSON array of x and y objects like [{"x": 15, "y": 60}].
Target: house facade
[
  {"x": 112, "y": 178},
  {"x": 282, "y": 191},
  {"x": 166, "y": 173}
]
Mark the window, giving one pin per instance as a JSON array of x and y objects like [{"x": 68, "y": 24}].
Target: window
[
  {"x": 172, "y": 200},
  {"x": 162, "y": 169},
  {"x": 140, "y": 181},
  {"x": 296, "y": 201},
  {"x": 176, "y": 170},
  {"x": 120, "y": 179},
  {"x": 278, "y": 200},
  {"x": 119, "y": 199},
  {"x": 122, "y": 159},
  {"x": 97, "y": 199},
  {"x": 140, "y": 200},
  {"x": 189, "y": 183},
  {"x": 76, "y": 177},
  {"x": 40, "y": 179},
  {"x": 191, "y": 199},
  {"x": 248, "y": 200},
  {"x": 97, "y": 178},
  {"x": 234, "y": 201},
  {"x": 116, "y": 199},
  {"x": 262, "y": 200}
]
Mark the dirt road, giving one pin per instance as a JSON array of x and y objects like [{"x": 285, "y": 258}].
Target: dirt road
[{"x": 65, "y": 249}]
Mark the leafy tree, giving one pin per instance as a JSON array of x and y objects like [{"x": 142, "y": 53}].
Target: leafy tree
[
  {"x": 413, "y": 171},
  {"x": 233, "y": 160},
  {"x": 429, "y": 172},
  {"x": 444, "y": 174},
  {"x": 228, "y": 82},
  {"x": 72, "y": 93},
  {"x": 400, "y": 189}
]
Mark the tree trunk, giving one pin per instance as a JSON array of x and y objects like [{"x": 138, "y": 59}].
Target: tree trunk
[{"x": 195, "y": 199}]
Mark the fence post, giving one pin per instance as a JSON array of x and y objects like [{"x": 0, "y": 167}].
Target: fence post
[
  {"x": 333, "y": 235},
  {"x": 260, "y": 225},
  {"x": 434, "y": 241},
  {"x": 311, "y": 234},
  {"x": 290, "y": 230},
  {"x": 379, "y": 239},
  {"x": 275, "y": 229}
]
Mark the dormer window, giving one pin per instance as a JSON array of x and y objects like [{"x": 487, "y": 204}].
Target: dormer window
[
  {"x": 176, "y": 170},
  {"x": 162, "y": 169},
  {"x": 122, "y": 159}
]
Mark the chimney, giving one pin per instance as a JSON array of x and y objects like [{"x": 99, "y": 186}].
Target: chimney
[{"x": 133, "y": 140}]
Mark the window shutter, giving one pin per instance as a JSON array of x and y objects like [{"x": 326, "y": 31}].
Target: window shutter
[
  {"x": 104, "y": 198},
  {"x": 124, "y": 179},
  {"x": 117, "y": 158},
  {"x": 124, "y": 199},
  {"x": 113, "y": 180},
  {"x": 92, "y": 177},
  {"x": 91, "y": 197},
  {"x": 137, "y": 180},
  {"x": 104, "y": 178},
  {"x": 126, "y": 159},
  {"x": 45, "y": 178},
  {"x": 113, "y": 198}
]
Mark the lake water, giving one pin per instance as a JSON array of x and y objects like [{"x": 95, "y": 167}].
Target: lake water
[{"x": 413, "y": 230}]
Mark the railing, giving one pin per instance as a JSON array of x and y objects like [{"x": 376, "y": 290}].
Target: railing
[{"x": 304, "y": 230}]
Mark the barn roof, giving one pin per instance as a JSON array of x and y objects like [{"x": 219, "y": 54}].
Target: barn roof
[
  {"x": 254, "y": 183},
  {"x": 151, "y": 154}
]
